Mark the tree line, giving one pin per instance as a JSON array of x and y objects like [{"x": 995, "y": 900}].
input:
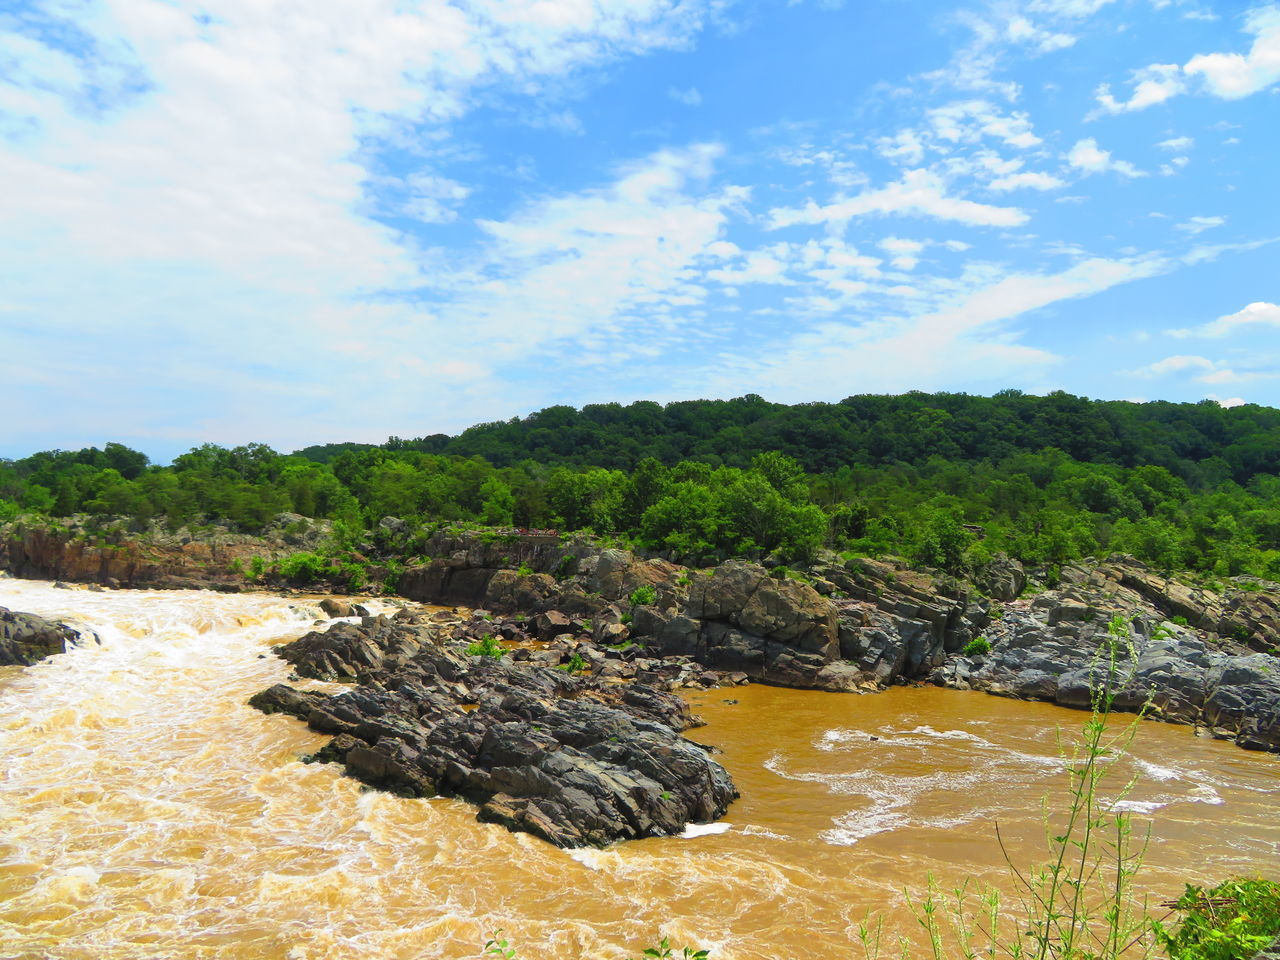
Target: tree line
[{"x": 943, "y": 479}]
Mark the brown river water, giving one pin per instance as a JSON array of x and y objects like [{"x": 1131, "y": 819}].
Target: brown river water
[{"x": 147, "y": 812}]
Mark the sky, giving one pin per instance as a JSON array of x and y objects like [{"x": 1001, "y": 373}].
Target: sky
[{"x": 300, "y": 222}]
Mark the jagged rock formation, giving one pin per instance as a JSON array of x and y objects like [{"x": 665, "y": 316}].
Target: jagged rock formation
[
  {"x": 1054, "y": 646},
  {"x": 574, "y": 760},
  {"x": 865, "y": 624},
  {"x": 26, "y": 638}
]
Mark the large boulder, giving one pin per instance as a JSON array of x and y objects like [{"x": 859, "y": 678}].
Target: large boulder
[
  {"x": 26, "y": 638},
  {"x": 785, "y": 611}
]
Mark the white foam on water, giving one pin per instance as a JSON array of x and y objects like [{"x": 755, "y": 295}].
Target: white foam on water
[
  {"x": 1157, "y": 772},
  {"x": 694, "y": 830},
  {"x": 924, "y": 730},
  {"x": 859, "y": 824},
  {"x": 1138, "y": 806},
  {"x": 1205, "y": 794}
]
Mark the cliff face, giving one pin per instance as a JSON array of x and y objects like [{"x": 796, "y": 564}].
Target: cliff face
[{"x": 120, "y": 554}]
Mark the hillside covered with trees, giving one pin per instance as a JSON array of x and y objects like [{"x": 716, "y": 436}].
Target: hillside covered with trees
[{"x": 944, "y": 479}]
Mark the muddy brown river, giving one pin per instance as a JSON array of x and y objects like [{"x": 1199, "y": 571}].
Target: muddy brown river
[{"x": 147, "y": 812}]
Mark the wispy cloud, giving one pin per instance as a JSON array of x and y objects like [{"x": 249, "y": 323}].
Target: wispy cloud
[
  {"x": 919, "y": 193},
  {"x": 1259, "y": 314},
  {"x": 1151, "y": 85},
  {"x": 890, "y": 353}
]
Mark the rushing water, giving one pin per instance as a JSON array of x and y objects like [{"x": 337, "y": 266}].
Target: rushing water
[{"x": 146, "y": 811}]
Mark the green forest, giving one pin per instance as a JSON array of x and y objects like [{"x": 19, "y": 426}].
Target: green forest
[{"x": 945, "y": 480}]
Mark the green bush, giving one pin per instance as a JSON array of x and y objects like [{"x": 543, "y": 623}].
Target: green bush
[
  {"x": 1180, "y": 621},
  {"x": 391, "y": 577},
  {"x": 977, "y": 647},
  {"x": 486, "y": 646},
  {"x": 574, "y": 664},
  {"x": 303, "y": 568},
  {"x": 524, "y": 570},
  {"x": 643, "y": 596},
  {"x": 1233, "y": 921},
  {"x": 565, "y": 567}
]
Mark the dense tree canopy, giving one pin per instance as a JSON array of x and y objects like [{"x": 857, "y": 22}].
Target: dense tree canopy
[
  {"x": 945, "y": 479},
  {"x": 877, "y": 430}
]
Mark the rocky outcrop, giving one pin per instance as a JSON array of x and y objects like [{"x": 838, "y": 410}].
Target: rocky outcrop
[
  {"x": 26, "y": 638},
  {"x": 123, "y": 553},
  {"x": 1056, "y": 647},
  {"x": 574, "y": 759}
]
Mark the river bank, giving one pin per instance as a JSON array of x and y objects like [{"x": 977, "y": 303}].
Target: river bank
[{"x": 1205, "y": 653}]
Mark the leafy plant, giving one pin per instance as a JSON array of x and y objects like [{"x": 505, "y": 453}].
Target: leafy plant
[
  {"x": 565, "y": 567},
  {"x": 643, "y": 595},
  {"x": 1080, "y": 903},
  {"x": 977, "y": 647},
  {"x": 486, "y": 646},
  {"x": 574, "y": 664},
  {"x": 1233, "y": 921},
  {"x": 524, "y": 569},
  {"x": 1180, "y": 621},
  {"x": 498, "y": 946},
  {"x": 664, "y": 951},
  {"x": 304, "y": 567},
  {"x": 391, "y": 577}
]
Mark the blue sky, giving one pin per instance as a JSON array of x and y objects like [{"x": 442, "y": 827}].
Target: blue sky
[{"x": 303, "y": 222}]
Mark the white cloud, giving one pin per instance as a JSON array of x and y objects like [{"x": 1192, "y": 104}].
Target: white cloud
[
  {"x": 904, "y": 146},
  {"x": 1233, "y": 75},
  {"x": 1177, "y": 144},
  {"x": 919, "y": 192},
  {"x": 1227, "y": 402},
  {"x": 905, "y": 253},
  {"x": 1027, "y": 180},
  {"x": 1151, "y": 85},
  {"x": 1087, "y": 156},
  {"x": 896, "y": 353},
  {"x": 200, "y": 193},
  {"x": 1068, "y": 8},
  {"x": 1175, "y": 364},
  {"x": 1197, "y": 225},
  {"x": 758, "y": 266},
  {"x": 433, "y": 199},
  {"x": 1021, "y": 30},
  {"x": 1206, "y": 370},
  {"x": 1258, "y": 314},
  {"x": 1230, "y": 76},
  {"x": 690, "y": 97}
]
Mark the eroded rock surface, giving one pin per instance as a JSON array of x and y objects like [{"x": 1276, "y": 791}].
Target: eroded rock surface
[
  {"x": 1054, "y": 647},
  {"x": 26, "y": 638},
  {"x": 574, "y": 759}
]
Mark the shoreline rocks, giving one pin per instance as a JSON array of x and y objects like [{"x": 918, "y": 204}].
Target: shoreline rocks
[
  {"x": 575, "y": 760},
  {"x": 840, "y": 625}
]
